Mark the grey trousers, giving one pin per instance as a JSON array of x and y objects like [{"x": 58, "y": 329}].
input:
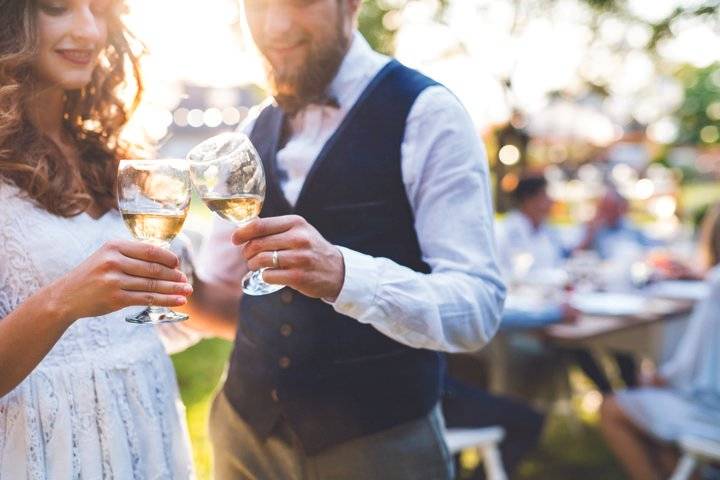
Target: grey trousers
[{"x": 415, "y": 450}]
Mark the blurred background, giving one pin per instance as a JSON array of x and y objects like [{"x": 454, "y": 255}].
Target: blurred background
[{"x": 586, "y": 91}]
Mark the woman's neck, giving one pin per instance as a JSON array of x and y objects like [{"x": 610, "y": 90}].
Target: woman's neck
[{"x": 45, "y": 110}]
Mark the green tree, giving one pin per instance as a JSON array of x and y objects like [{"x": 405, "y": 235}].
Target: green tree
[{"x": 699, "y": 115}]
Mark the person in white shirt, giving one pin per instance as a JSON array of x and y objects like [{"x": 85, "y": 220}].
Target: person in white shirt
[
  {"x": 379, "y": 221},
  {"x": 526, "y": 243}
]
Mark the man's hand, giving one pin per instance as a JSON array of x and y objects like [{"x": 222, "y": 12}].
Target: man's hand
[
  {"x": 570, "y": 315},
  {"x": 306, "y": 261}
]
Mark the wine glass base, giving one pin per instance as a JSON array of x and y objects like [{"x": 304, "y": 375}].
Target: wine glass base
[
  {"x": 253, "y": 284},
  {"x": 155, "y": 316}
]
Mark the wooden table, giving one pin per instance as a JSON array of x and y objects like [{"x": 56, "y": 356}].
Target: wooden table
[{"x": 639, "y": 334}]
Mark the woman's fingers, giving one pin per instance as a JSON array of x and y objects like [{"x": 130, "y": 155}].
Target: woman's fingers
[
  {"x": 151, "y": 285},
  {"x": 139, "y": 268},
  {"x": 147, "y": 253},
  {"x": 152, "y": 299}
]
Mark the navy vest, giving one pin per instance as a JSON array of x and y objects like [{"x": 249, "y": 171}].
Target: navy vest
[{"x": 331, "y": 377}]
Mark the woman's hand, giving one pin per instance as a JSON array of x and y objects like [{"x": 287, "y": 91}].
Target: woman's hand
[{"x": 121, "y": 273}]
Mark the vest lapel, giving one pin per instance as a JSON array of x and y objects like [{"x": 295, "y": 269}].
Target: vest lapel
[
  {"x": 273, "y": 130},
  {"x": 391, "y": 65}
]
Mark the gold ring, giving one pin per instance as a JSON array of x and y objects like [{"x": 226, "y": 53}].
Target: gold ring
[{"x": 275, "y": 259}]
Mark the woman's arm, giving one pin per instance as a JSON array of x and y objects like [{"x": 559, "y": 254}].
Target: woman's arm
[{"x": 118, "y": 275}]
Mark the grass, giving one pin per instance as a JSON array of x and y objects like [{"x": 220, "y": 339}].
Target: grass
[
  {"x": 571, "y": 446},
  {"x": 198, "y": 371}
]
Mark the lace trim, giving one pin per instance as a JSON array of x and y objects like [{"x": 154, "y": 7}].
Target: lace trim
[
  {"x": 127, "y": 421},
  {"x": 19, "y": 277},
  {"x": 36, "y": 454}
]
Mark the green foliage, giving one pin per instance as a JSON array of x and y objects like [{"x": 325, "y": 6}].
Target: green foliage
[
  {"x": 701, "y": 107},
  {"x": 375, "y": 21},
  {"x": 371, "y": 26}
]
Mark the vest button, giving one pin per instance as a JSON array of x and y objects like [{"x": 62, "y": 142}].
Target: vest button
[
  {"x": 284, "y": 362},
  {"x": 286, "y": 330},
  {"x": 286, "y": 296},
  {"x": 274, "y": 395}
]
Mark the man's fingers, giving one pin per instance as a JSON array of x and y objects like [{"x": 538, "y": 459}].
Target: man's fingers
[
  {"x": 148, "y": 253},
  {"x": 282, "y": 277},
  {"x": 282, "y": 241},
  {"x": 287, "y": 259},
  {"x": 262, "y": 227},
  {"x": 150, "y": 285},
  {"x": 139, "y": 268}
]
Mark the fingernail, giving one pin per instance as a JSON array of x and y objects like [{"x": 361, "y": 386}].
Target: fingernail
[
  {"x": 187, "y": 288},
  {"x": 180, "y": 300},
  {"x": 183, "y": 277}
]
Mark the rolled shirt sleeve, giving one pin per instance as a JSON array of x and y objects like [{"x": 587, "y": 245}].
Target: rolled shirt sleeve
[{"x": 458, "y": 306}]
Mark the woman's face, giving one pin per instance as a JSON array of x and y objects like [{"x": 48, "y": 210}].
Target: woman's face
[{"x": 71, "y": 33}]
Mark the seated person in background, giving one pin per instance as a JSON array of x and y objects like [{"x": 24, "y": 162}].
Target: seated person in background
[
  {"x": 641, "y": 425},
  {"x": 525, "y": 241},
  {"x": 527, "y": 245},
  {"x": 611, "y": 234},
  {"x": 464, "y": 406}
]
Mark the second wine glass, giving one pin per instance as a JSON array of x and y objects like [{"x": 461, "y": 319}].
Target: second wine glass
[{"x": 228, "y": 174}]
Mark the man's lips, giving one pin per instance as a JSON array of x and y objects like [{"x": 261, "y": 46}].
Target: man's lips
[
  {"x": 282, "y": 49},
  {"x": 76, "y": 56}
]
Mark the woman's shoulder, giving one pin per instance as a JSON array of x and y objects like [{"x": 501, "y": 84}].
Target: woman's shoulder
[
  {"x": 8, "y": 190},
  {"x": 14, "y": 197}
]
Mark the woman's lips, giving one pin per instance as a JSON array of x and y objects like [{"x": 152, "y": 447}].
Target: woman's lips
[{"x": 76, "y": 56}]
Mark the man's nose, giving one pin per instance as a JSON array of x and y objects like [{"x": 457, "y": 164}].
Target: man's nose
[{"x": 278, "y": 21}]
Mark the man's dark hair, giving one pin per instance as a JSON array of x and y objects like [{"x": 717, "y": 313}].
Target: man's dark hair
[{"x": 528, "y": 186}]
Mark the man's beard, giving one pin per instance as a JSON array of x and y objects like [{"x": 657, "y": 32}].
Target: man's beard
[{"x": 308, "y": 84}]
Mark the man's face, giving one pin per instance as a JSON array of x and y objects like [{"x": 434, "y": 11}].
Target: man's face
[
  {"x": 538, "y": 207},
  {"x": 303, "y": 43}
]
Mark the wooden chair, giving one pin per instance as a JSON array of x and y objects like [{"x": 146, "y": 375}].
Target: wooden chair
[
  {"x": 695, "y": 450},
  {"x": 486, "y": 441}
]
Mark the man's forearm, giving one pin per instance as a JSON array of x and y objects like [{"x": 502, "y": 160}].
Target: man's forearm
[{"x": 213, "y": 311}]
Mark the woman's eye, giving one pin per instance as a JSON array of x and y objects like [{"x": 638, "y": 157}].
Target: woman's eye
[{"x": 53, "y": 9}]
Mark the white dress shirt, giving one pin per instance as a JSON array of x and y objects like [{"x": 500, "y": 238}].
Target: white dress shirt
[
  {"x": 457, "y": 307},
  {"x": 522, "y": 248}
]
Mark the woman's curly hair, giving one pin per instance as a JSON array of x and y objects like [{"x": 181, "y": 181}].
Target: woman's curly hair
[{"x": 93, "y": 117}]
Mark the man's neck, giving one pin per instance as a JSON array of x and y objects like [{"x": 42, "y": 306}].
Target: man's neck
[{"x": 534, "y": 223}]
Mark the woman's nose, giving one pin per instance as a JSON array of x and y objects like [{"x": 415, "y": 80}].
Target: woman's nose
[{"x": 85, "y": 25}]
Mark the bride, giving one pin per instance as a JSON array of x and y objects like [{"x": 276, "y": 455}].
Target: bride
[{"x": 83, "y": 394}]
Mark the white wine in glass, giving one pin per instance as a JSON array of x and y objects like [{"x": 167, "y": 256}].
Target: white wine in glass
[
  {"x": 238, "y": 209},
  {"x": 228, "y": 175},
  {"x": 154, "y": 197}
]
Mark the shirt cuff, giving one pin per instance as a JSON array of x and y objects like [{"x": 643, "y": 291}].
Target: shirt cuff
[{"x": 360, "y": 284}]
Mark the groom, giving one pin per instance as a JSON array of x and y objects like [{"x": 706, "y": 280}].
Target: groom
[{"x": 378, "y": 219}]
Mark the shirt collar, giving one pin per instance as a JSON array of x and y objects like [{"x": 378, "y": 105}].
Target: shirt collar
[{"x": 357, "y": 68}]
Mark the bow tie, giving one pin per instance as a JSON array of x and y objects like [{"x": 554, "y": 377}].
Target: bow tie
[{"x": 326, "y": 101}]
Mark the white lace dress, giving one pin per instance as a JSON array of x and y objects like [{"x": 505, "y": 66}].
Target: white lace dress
[{"x": 104, "y": 402}]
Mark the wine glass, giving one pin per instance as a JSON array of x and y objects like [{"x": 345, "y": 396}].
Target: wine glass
[
  {"x": 154, "y": 197},
  {"x": 228, "y": 175}
]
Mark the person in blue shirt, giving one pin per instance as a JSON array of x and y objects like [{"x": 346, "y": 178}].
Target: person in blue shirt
[{"x": 611, "y": 234}]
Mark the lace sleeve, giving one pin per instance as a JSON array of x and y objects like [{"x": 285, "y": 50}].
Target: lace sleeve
[{"x": 18, "y": 278}]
